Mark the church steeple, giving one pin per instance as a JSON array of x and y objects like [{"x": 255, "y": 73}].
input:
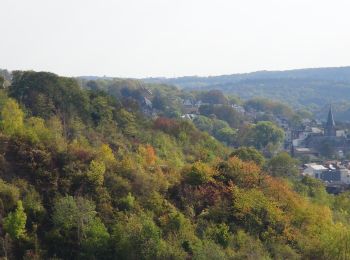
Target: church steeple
[{"x": 330, "y": 125}]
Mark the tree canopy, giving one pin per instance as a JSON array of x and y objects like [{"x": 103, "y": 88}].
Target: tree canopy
[{"x": 88, "y": 175}]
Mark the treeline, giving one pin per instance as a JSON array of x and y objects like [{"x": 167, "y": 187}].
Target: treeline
[
  {"x": 85, "y": 175},
  {"x": 215, "y": 112},
  {"x": 311, "y": 89}
]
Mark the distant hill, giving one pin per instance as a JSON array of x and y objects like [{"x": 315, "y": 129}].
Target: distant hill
[
  {"x": 335, "y": 74},
  {"x": 312, "y": 88}
]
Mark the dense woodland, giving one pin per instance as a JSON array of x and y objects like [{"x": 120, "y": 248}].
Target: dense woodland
[
  {"x": 85, "y": 174},
  {"x": 311, "y": 89}
]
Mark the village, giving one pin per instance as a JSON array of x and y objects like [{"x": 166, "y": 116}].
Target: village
[
  {"x": 322, "y": 148},
  {"x": 314, "y": 143}
]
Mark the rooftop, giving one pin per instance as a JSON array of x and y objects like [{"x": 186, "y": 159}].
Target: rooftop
[{"x": 315, "y": 166}]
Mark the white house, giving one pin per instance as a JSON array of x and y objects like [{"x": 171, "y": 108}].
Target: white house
[{"x": 314, "y": 170}]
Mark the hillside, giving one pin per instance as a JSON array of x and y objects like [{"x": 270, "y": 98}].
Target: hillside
[
  {"x": 88, "y": 175},
  {"x": 313, "y": 89},
  {"x": 336, "y": 74}
]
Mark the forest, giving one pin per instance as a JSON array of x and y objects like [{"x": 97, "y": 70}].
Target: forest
[
  {"x": 312, "y": 89},
  {"x": 87, "y": 173}
]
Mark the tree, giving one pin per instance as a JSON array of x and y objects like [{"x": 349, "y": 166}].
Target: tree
[
  {"x": 269, "y": 106},
  {"x": 249, "y": 154},
  {"x": 159, "y": 102},
  {"x": 243, "y": 174},
  {"x": 263, "y": 134},
  {"x": 15, "y": 222},
  {"x": 105, "y": 154},
  {"x": 327, "y": 148},
  {"x": 101, "y": 109},
  {"x": 255, "y": 211},
  {"x": 226, "y": 135},
  {"x": 12, "y": 118},
  {"x": 228, "y": 114},
  {"x": 96, "y": 173},
  {"x": 2, "y": 80},
  {"x": 95, "y": 244},
  {"x": 220, "y": 234},
  {"x": 223, "y": 112},
  {"x": 203, "y": 123},
  {"x": 137, "y": 237},
  {"x": 76, "y": 220},
  {"x": 214, "y": 97},
  {"x": 127, "y": 203},
  {"x": 92, "y": 85},
  {"x": 283, "y": 165},
  {"x": 147, "y": 154},
  {"x": 74, "y": 213},
  {"x": 46, "y": 94},
  {"x": 37, "y": 131},
  {"x": 9, "y": 195},
  {"x": 199, "y": 173}
]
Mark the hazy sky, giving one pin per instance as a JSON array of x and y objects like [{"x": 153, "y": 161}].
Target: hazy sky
[{"x": 141, "y": 38}]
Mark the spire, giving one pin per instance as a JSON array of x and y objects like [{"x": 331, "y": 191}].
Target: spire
[
  {"x": 330, "y": 119},
  {"x": 330, "y": 125}
]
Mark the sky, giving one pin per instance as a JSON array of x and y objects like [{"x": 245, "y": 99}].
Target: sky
[{"x": 170, "y": 38}]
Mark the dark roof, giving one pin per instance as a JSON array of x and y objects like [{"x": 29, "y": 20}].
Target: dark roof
[{"x": 331, "y": 175}]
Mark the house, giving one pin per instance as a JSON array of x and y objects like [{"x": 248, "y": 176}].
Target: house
[
  {"x": 189, "y": 116},
  {"x": 187, "y": 103},
  {"x": 304, "y": 151},
  {"x": 238, "y": 108},
  {"x": 190, "y": 107},
  {"x": 314, "y": 170},
  {"x": 328, "y": 173}
]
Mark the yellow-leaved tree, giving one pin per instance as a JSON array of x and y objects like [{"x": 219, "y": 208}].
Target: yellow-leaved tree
[{"x": 11, "y": 118}]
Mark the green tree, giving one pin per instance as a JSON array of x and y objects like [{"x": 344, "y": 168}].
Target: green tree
[
  {"x": 263, "y": 134},
  {"x": 46, "y": 94},
  {"x": 214, "y": 97},
  {"x": 37, "y": 131},
  {"x": 160, "y": 102},
  {"x": 96, "y": 241},
  {"x": 76, "y": 219},
  {"x": 249, "y": 154},
  {"x": 127, "y": 203},
  {"x": 9, "y": 195},
  {"x": 12, "y": 118},
  {"x": 74, "y": 213},
  {"x": 137, "y": 237},
  {"x": 203, "y": 123},
  {"x": 15, "y": 222},
  {"x": 220, "y": 234},
  {"x": 96, "y": 173},
  {"x": 226, "y": 135},
  {"x": 283, "y": 165},
  {"x": 198, "y": 174}
]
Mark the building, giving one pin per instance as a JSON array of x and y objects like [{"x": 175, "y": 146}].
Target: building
[
  {"x": 328, "y": 173},
  {"x": 314, "y": 170},
  {"x": 329, "y": 129},
  {"x": 329, "y": 142}
]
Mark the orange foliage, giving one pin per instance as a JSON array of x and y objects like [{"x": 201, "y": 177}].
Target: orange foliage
[
  {"x": 167, "y": 125},
  {"x": 243, "y": 174},
  {"x": 151, "y": 154},
  {"x": 148, "y": 154}
]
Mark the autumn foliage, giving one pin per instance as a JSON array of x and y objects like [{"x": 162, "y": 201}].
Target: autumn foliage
[{"x": 84, "y": 175}]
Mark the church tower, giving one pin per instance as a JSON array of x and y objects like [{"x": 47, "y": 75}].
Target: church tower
[{"x": 330, "y": 125}]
